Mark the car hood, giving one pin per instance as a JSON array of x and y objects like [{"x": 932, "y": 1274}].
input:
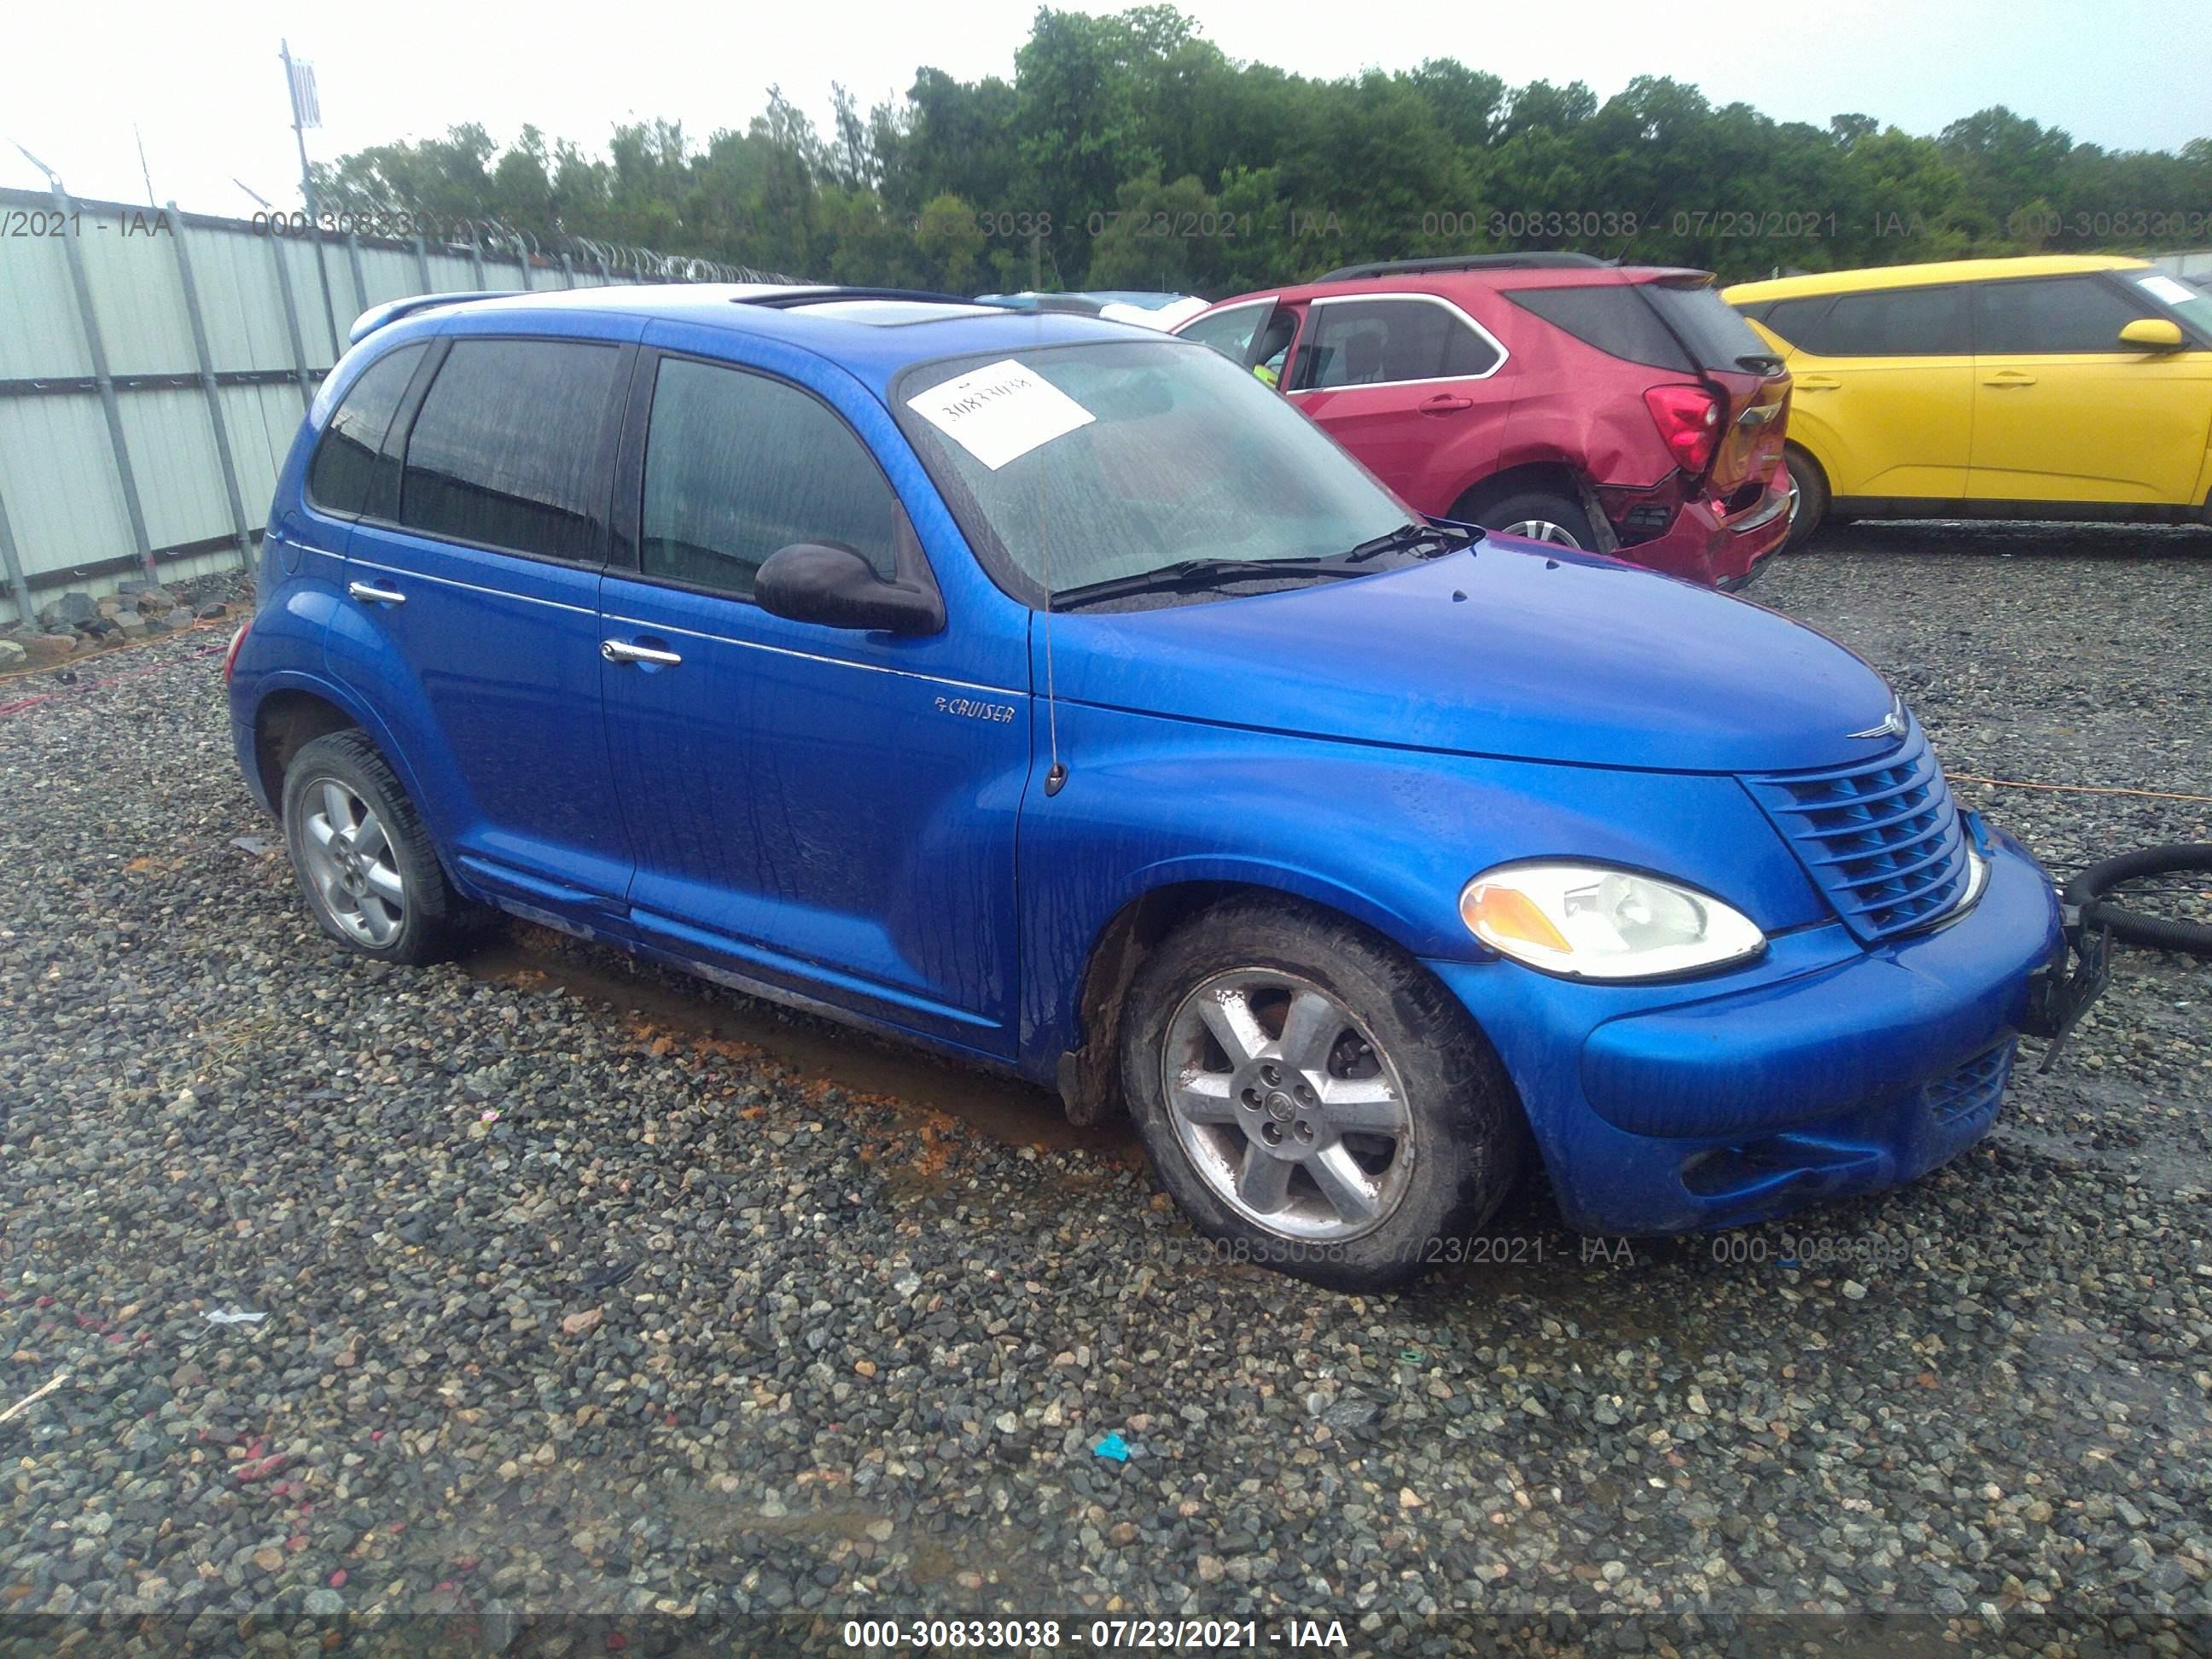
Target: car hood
[{"x": 1501, "y": 650}]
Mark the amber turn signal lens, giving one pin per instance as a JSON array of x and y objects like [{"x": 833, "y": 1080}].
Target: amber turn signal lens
[{"x": 1503, "y": 915}]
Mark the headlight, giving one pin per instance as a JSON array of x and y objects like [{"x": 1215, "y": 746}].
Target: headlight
[{"x": 1589, "y": 922}]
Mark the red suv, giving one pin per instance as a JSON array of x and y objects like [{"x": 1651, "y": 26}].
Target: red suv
[{"x": 1622, "y": 409}]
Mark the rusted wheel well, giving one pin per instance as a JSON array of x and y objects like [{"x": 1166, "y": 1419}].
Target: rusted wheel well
[{"x": 286, "y": 722}]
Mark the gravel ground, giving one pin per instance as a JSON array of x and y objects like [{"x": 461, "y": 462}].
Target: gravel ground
[{"x": 573, "y": 1303}]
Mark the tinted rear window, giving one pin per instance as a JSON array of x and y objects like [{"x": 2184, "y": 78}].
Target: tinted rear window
[
  {"x": 1714, "y": 334},
  {"x": 1795, "y": 319},
  {"x": 505, "y": 453},
  {"x": 1613, "y": 318},
  {"x": 343, "y": 472},
  {"x": 1902, "y": 322}
]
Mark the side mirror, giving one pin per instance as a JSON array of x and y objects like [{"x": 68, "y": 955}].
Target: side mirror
[
  {"x": 2153, "y": 334},
  {"x": 820, "y": 582}
]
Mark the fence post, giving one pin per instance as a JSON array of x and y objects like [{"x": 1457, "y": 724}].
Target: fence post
[
  {"x": 476, "y": 255},
  {"x": 292, "y": 322},
  {"x": 237, "y": 524},
  {"x": 16, "y": 578},
  {"x": 353, "y": 258},
  {"x": 105, "y": 382},
  {"x": 422, "y": 264},
  {"x": 323, "y": 276},
  {"x": 568, "y": 271}
]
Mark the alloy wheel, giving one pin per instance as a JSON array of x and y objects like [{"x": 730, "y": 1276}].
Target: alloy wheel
[
  {"x": 1286, "y": 1106},
  {"x": 1542, "y": 530},
  {"x": 351, "y": 861}
]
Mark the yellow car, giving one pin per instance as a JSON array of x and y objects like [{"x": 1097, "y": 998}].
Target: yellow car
[{"x": 2050, "y": 387}]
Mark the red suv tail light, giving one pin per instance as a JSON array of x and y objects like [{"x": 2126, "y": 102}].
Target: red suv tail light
[
  {"x": 1689, "y": 421},
  {"x": 230, "y": 657}
]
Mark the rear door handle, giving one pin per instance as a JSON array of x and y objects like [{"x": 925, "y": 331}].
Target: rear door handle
[
  {"x": 1445, "y": 403},
  {"x": 624, "y": 651},
  {"x": 2005, "y": 377},
  {"x": 368, "y": 595},
  {"x": 1817, "y": 383}
]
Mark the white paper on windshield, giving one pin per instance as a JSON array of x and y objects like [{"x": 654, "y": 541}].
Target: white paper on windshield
[
  {"x": 1001, "y": 413},
  {"x": 2166, "y": 288}
]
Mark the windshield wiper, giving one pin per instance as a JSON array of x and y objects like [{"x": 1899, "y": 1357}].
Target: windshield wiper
[
  {"x": 1405, "y": 536},
  {"x": 1194, "y": 575}
]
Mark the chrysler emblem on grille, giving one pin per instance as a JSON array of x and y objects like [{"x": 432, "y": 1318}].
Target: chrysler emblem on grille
[{"x": 1893, "y": 723}]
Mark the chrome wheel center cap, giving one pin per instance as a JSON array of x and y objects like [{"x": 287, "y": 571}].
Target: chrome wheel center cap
[{"x": 1280, "y": 1107}]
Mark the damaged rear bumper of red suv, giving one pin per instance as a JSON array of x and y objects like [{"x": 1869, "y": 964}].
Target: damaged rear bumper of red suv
[{"x": 1717, "y": 544}]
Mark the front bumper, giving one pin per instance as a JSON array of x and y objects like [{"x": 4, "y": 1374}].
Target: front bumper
[{"x": 1823, "y": 1070}]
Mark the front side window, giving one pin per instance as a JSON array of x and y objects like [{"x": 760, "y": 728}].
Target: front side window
[
  {"x": 343, "y": 475},
  {"x": 1229, "y": 333},
  {"x": 1381, "y": 341},
  {"x": 2185, "y": 297},
  {"x": 737, "y": 465},
  {"x": 2049, "y": 317},
  {"x": 505, "y": 450},
  {"x": 1167, "y": 454},
  {"x": 1905, "y": 322}
]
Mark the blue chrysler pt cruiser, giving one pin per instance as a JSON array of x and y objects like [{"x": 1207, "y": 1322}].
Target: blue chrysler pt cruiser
[{"x": 1046, "y": 692}]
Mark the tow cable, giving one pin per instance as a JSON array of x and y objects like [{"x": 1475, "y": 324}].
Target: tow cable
[{"x": 2090, "y": 921}]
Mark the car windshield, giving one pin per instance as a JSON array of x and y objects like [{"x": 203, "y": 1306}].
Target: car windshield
[
  {"x": 2184, "y": 296},
  {"x": 1082, "y": 464}
]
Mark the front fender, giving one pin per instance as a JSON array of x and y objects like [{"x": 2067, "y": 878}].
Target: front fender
[{"x": 1386, "y": 836}]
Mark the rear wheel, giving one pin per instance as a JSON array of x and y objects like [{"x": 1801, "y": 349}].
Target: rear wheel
[
  {"x": 362, "y": 855},
  {"x": 1808, "y": 497},
  {"x": 1314, "y": 1099},
  {"x": 1540, "y": 516}
]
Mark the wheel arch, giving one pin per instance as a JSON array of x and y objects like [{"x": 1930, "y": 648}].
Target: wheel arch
[
  {"x": 292, "y": 710},
  {"x": 1088, "y": 1069},
  {"x": 286, "y": 721},
  {"x": 1560, "y": 477},
  {"x": 1812, "y": 457}
]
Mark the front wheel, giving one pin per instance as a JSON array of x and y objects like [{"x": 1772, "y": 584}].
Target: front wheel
[{"x": 1314, "y": 1099}]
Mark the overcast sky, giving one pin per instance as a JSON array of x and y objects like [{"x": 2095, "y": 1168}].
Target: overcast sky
[{"x": 203, "y": 88}]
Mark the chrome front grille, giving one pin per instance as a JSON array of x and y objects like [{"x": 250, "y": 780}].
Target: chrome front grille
[{"x": 1881, "y": 839}]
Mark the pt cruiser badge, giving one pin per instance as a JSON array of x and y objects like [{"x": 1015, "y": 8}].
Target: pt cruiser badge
[{"x": 968, "y": 708}]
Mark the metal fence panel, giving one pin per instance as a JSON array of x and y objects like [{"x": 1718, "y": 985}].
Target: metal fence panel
[
  {"x": 135, "y": 295},
  {"x": 90, "y": 499},
  {"x": 38, "y": 331},
  {"x": 59, "y": 482}
]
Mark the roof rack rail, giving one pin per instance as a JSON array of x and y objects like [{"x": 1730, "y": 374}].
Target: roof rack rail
[
  {"x": 378, "y": 317},
  {"x": 1466, "y": 262},
  {"x": 789, "y": 298}
]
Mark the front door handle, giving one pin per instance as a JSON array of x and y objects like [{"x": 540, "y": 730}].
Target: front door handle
[
  {"x": 624, "y": 651},
  {"x": 2008, "y": 377},
  {"x": 1817, "y": 383},
  {"x": 368, "y": 595},
  {"x": 1445, "y": 403}
]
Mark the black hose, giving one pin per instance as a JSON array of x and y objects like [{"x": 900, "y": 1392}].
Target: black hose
[{"x": 2087, "y": 889}]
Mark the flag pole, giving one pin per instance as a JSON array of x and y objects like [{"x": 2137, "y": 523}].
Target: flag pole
[{"x": 300, "y": 117}]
